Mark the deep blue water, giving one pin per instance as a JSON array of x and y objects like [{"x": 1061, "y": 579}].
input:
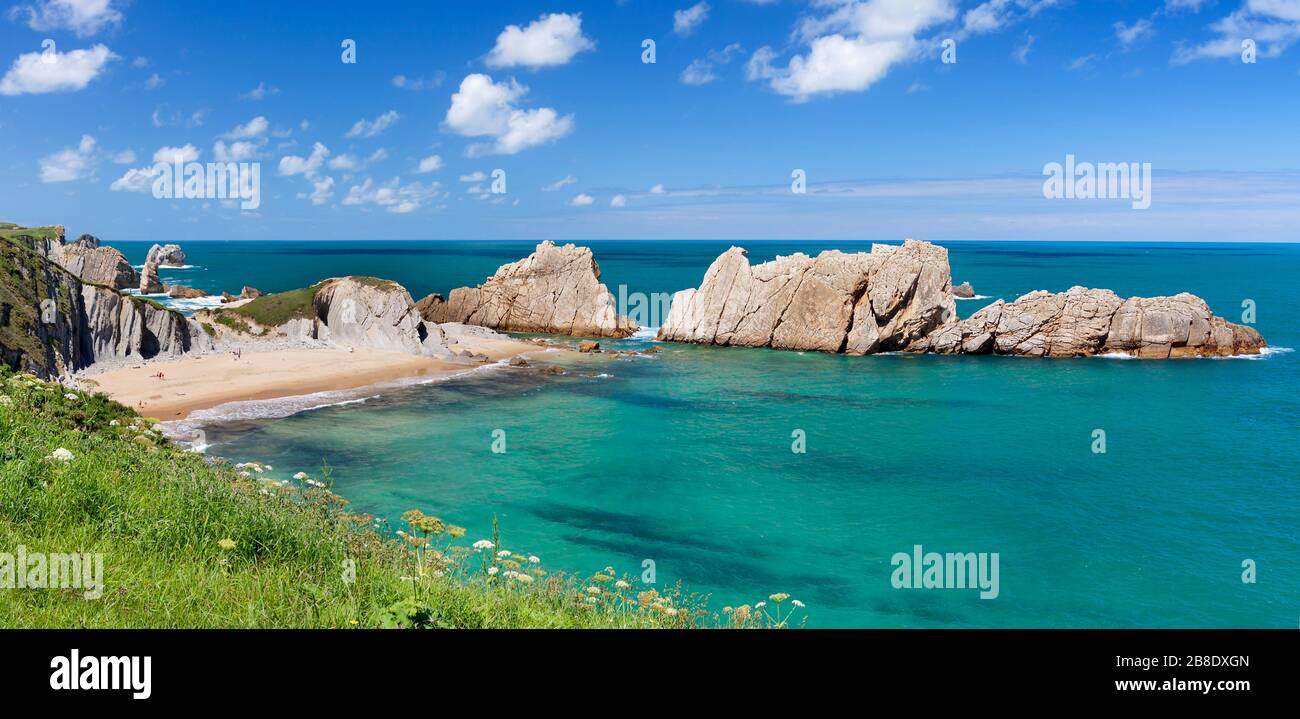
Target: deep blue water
[{"x": 685, "y": 458}]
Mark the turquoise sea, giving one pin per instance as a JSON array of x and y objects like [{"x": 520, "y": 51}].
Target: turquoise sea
[{"x": 685, "y": 458}]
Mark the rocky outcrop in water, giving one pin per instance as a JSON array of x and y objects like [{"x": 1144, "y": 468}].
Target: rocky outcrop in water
[
  {"x": 1082, "y": 321},
  {"x": 556, "y": 290},
  {"x": 150, "y": 283},
  {"x": 963, "y": 291},
  {"x": 183, "y": 292},
  {"x": 166, "y": 256},
  {"x": 859, "y": 303}
]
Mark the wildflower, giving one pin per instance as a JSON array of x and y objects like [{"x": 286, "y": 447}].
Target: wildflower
[
  {"x": 70, "y": 396},
  {"x": 483, "y": 544},
  {"x": 593, "y": 591},
  {"x": 311, "y": 482},
  {"x": 779, "y": 597},
  {"x": 353, "y": 622},
  {"x": 797, "y": 603},
  {"x": 760, "y": 605},
  {"x": 602, "y": 578},
  {"x": 61, "y": 455},
  {"x": 226, "y": 544},
  {"x": 300, "y": 476},
  {"x": 622, "y": 584},
  {"x": 727, "y": 610},
  {"x": 503, "y": 554},
  {"x": 8, "y": 401},
  {"x": 492, "y": 571},
  {"x": 523, "y": 578},
  {"x": 455, "y": 531},
  {"x": 113, "y": 423},
  {"x": 532, "y": 559}
]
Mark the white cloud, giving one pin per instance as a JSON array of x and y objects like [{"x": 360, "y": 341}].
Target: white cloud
[
  {"x": 305, "y": 166},
  {"x": 688, "y": 20},
  {"x": 657, "y": 189},
  {"x": 82, "y": 17},
  {"x": 475, "y": 176},
  {"x": 993, "y": 15},
  {"x": 1080, "y": 63},
  {"x": 1129, "y": 34},
  {"x": 1274, "y": 25},
  {"x": 321, "y": 191},
  {"x": 352, "y": 162},
  {"x": 187, "y": 153},
  {"x": 125, "y": 157},
  {"x": 618, "y": 201},
  {"x": 483, "y": 108},
  {"x": 262, "y": 91},
  {"x": 52, "y": 71},
  {"x": 134, "y": 180},
  {"x": 1021, "y": 53},
  {"x": 560, "y": 183},
  {"x": 549, "y": 40},
  {"x": 582, "y": 200},
  {"x": 237, "y": 151},
  {"x": 419, "y": 83},
  {"x": 1193, "y": 5},
  {"x": 432, "y": 163},
  {"x": 154, "y": 82},
  {"x": 700, "y": 71},
  {"x": 370, "y": 128},
  {"x": 852, "y": 47},
  {"x": 70, "y": 163},
  {"x": 253, "y": 128},
  {"x": 393, "y": 196}
]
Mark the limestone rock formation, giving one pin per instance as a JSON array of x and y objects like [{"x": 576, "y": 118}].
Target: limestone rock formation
[
  {"x": 53, "y": 323},
  {"x": 859, "y": 303},
  {"x": 556, "y": 290},
  {"x": 85, "y": 258},
  {"x": 249, "y": 293},
  {"x": 1082, "y": 321},
  {"x": 367, "y": 312},
  {"x": 183, "y": 292},
  {"x": 963, "y": 291},
  {"x": 149, "y": 282},
  {"x": 166, "y": 256}
]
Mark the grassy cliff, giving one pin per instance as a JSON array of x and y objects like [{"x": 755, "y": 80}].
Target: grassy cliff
[
  {"x": 191, "y": 543},
  {"x": 26, "y": 279}
]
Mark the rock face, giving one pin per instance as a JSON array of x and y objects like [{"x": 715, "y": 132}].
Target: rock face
[
  {"x": 366, "y": 312},
  {"x": 249, "y": 293},
  {"x": 963, "y": 291},
  {"x": 85, "y": 258},
  {"x": 149, "y": 282},
  {"x": 556, "y": 290},
  {"x": 860, "y": 303},
  {"x": 183, "y": 292},
  {"x": 1082, "y": 321},
  {"x": 53, "y": 324},
  {"x": 166, "y": 256}
]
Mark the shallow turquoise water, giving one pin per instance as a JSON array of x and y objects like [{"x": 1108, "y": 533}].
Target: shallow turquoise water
[{"x": 685, "y": 458}]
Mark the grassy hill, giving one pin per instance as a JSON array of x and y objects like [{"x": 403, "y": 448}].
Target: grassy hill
[{"x": 191, "y": 543}]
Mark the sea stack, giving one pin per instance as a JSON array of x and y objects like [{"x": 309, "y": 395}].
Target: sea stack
[
  {"x": 861, "y": 303},
  {"x": 1083, "y": 321},
  {"x": 556, "y": 290}
]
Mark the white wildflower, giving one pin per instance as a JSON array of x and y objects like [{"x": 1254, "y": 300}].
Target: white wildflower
[
  {"x": 483, "y": 544},
  {"x": 532, "y": 559},
  {"x": 61, "y": 455},
  {"x": 503, "y": 554},
  {"x": 300, "y": 476},
  {"x": 70, "y": 396},
  {"x": 797, "y": 603},
  {"x": 493, "y": 571}
]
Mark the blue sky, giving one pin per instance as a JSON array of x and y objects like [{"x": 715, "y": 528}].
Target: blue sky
[{"x": 894, "y": 141}]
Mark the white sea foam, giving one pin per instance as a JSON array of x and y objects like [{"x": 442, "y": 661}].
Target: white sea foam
[
  {"x": 976, "y": 297},
  {"x": 1117, "y": 355},
  {"x": 644, "y": 334},
  {"x": 1264, "y": 353},
  {"x": 171, "y": 267}
]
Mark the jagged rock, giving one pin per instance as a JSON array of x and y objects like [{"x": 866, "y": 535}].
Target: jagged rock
[
  {"x": 227, "y": 297},
  {"x": 518, "y": 362},
  {"x": 149, "y": 282},
  {"x": 588, "y": 346},
  {"x": 650, "y": 351},
  {"x": 1082, "y": 322},
  {"x": 369, "y": 312},
  {"x": 859, "y": 303},
  {"x": 964, "y": 291},
  {"x": 249, "y": 293},
  {"x": 183, "y": 292},
  {"x": 166, "y": 256},
  {"x": 54, "y": 324},
  {"x": 553, "y": 369},
  {"x": 556, "y": 290},
  {"x": 85, "y": 258}
]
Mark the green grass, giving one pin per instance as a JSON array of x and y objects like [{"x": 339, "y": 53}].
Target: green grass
[
  {"x": 276, "y": 309},
  {"x": 24, "y": 283},
  {"x": 192, "y": 543},
  {"x": 11, "y": 231}
]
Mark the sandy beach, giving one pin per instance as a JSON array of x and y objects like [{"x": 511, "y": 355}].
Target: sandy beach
[{"x": 201, "y": 382}]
